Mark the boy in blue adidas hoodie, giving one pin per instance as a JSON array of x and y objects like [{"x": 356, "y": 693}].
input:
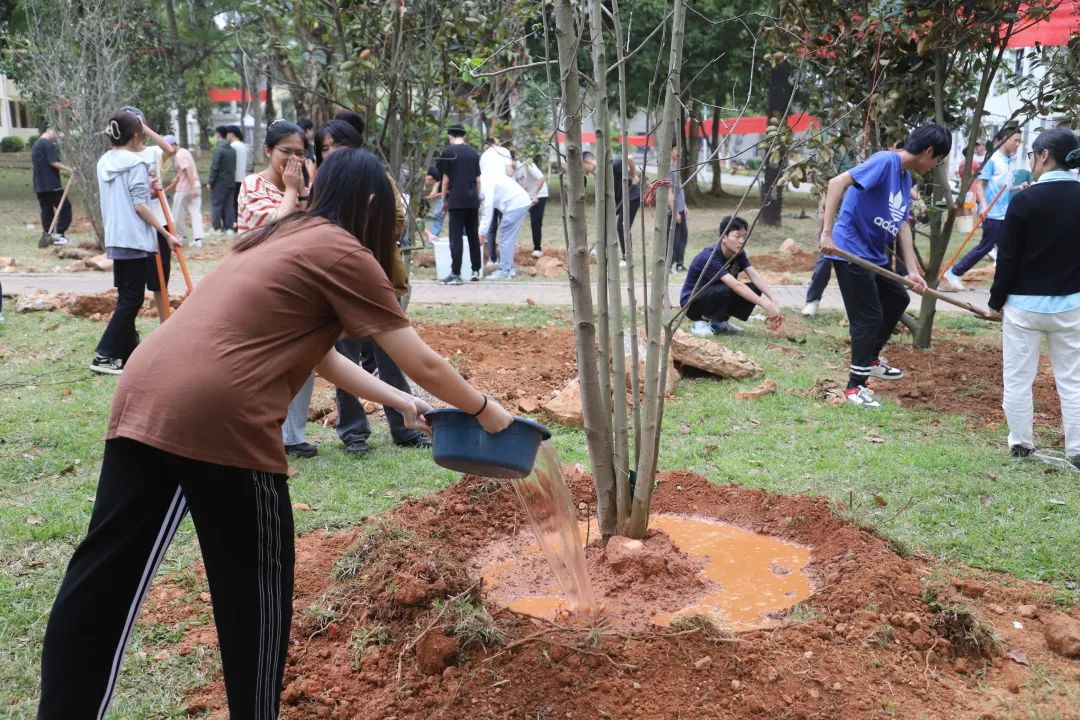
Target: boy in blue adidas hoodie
[{"x": 876, "y": 196}]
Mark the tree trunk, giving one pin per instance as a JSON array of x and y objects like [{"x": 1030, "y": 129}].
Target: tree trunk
[
  {"x": 691, "y": 151},
  {"x": 658, "y": 300},
  {"x": 941, "y": 227},
  {"x": 772, "y": 190},
  {"x": 717, "y": 189},
  {"x": 609, "y": 290},
  {"x": 597, "y": 428}
]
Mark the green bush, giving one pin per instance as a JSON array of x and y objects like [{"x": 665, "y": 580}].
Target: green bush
[
  {"x": 31, "y": 140},
  {"x": 12, "y": 143},
  {"x": 753, "y": 164}
]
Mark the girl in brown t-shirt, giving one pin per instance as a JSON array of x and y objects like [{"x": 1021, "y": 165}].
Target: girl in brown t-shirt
[{"x": 195, "y": 426}]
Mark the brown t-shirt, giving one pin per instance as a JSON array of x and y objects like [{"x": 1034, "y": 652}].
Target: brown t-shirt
[{"x": 214, "y": 382}]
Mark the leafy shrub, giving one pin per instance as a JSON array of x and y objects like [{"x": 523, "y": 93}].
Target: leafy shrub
[
  {"x": 753, "y": 164},
  {"x": 12, "y": 143}
]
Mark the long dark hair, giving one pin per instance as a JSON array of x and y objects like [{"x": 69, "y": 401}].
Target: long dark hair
[
  {"x": 345, "y": 181},
  {"x": 341, "y": 132},
  {"x": 1062, "y": 144}
]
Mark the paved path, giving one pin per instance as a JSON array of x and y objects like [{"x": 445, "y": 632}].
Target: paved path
[{"x": 428, "y": 292}]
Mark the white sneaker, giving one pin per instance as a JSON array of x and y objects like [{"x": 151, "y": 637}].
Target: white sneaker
[
  {"x": 701, "y": 328},
  {"x": 196, "y": 243},
  {"x": 811, "y": 308},
  {"x": 538, "y": 253},
  {"x": 500, "y": 275},
  {"x": 862, "y": 396},
  {"x": 60, "y": 239},
  {"x": 724, "y": 327},
  {"x": 1, "y": 317},
  {"x": 230, "y": 233},
  {"x": 622, "y": 263},
  {"x": 954, "y": 282},
  {"x": 881, "y": 369}
]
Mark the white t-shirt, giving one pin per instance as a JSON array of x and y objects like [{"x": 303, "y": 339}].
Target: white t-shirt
[
  {"x": 154, "y": 155},
  {"x": 242, "y": 154},
  {"x": 500, "y": 192},
  {"x": 494, "y": 160},
  {"x": 529, "y": 177}
]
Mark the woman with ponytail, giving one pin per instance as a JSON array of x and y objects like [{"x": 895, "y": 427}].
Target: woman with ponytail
[
  {"x": 132, "y": 229},
  {"x": 1036, "y": 290},
  {"x": 196, "y": 426}
]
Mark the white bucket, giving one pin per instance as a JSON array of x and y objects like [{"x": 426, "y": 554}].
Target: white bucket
[
  {"x": 442, "y": 257},
  {"x": 965, "y": 223}
]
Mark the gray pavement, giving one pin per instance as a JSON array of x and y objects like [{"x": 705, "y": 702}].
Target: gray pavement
[{"x": 482, "y": 293}]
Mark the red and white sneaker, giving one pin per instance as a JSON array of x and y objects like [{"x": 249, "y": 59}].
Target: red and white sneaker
[
  {"x": 881, "y": 369},
  {"x": 861, "y": 396}
]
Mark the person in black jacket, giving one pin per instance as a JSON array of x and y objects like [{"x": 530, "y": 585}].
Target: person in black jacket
[
  {"x": 222, "y": 183},
  {"x": 1036, "y": 290}
]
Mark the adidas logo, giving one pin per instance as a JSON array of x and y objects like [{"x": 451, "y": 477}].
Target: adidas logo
[{"x": 896, "y": 206}]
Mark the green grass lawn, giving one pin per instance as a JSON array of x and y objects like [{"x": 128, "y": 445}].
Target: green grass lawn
[{"x": 952, "y": 492}]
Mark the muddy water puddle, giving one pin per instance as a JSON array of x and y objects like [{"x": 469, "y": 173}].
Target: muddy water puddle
[{"x": 739, "y": 578}]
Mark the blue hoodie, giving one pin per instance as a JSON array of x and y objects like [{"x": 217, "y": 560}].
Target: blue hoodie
[{"x": 123, "y": 182}]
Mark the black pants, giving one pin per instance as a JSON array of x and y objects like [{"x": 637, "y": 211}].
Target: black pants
[
  {"x": 492, "y": 235},
  {"x": 352, "y": 424},
  {"x": 222, "y": 207},
  {"x": 236, "y": 203},
  {"x": 819, "y": 280},
  {"x": 990, "y": 231},
  {"x": 464, "y": 221},
  {"x": 719, "y": 303},
  {"x": 243, "y": 519},
  {"x": 678, "y": 252},
  {"x": 536, "y": 220},
  {"x": 635, "y": 204},
  {"x": 874, "y": 306},
  {"x": 47, "y": 201},
  {"x": 132, "y": 278}
]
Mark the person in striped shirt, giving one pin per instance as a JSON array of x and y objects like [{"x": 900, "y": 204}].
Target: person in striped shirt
[{"x": 281, "y": 188}]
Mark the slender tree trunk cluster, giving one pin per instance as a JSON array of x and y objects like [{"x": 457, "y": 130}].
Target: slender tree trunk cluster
[{"x": 599, "y": 327}]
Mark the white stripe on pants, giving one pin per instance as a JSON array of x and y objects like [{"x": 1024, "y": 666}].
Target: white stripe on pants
[
  {"x": 1022, "y": 334},
  {"x": 188, "y": 206}
]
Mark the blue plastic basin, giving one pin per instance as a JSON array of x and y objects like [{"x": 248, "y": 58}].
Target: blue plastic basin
[{"x": 460, "y": 443}]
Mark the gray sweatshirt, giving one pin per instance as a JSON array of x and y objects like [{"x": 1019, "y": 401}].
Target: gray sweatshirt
[{"x": 123, "y": 180}]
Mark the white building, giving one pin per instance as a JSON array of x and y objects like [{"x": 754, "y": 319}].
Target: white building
[{"x": 14, "y": 113}]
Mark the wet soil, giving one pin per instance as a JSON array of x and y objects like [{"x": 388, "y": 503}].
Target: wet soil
[
  {"x": 866, "y": 645},
  {"x": 963, "y": 378}
]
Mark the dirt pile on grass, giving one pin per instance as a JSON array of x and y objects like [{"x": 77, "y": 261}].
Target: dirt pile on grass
[
  {"x": 797, "y": 260},
  {"x": 962, "y": 378},
  {"x": 399, "y": 628},
  {"x": 522, "y": 367}
]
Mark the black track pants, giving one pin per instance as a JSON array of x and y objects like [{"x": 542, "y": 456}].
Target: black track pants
[
  {"x": 874, "y": 305},
  {"x": 243, "y": 519}
]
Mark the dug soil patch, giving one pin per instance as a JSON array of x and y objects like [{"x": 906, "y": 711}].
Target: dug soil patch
[
  {"x": 951, "y": 377},
  {"x": 389, "y": 623},
  {"x": 522, "y": 367}
]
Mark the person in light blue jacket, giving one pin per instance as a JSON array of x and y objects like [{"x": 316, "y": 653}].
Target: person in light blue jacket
[{"x": 131, "y": 232}]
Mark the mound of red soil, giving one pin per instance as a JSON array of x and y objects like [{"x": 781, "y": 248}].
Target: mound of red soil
[
  {"x": 781, "y": 262},
  {"x": 522, "y": 367},
  {"x": 951, "y": 377},
  {"x": 868, "y": 646}
]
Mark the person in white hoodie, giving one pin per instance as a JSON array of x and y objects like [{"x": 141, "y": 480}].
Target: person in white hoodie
[
  {"x": 500, "y": 192},
  {"x": 131, "y": 234}
]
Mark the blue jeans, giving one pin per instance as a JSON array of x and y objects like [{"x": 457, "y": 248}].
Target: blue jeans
[
  {"x": 509, "y": 225},
  {"x": 294, "y": 429},
  {"x": 438, "y": 217}
]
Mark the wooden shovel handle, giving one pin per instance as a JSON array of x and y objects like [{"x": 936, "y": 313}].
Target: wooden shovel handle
[{"x": 855, "y": 260}]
